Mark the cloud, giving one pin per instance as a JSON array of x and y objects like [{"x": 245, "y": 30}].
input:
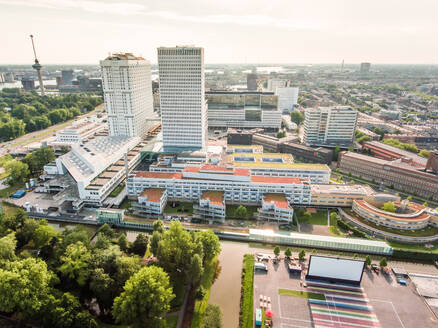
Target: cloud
[
  {"x": 131, "y": 8},
  {"x": 119, "y": 8}
]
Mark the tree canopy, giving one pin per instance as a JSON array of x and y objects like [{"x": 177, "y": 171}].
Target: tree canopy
[{"x": 297, "y": 117}]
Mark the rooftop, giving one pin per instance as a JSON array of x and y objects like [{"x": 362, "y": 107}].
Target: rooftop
[
  {"x": 266, "y": 179},
  {"x": 123, "y": 56},
  {"x": 215, "y": 197},
  {"x": 279, "y": 200},
  {"x": 341, "y": 189},
  {"x": 416, "y": 158},
  {"x": 153, "y": 194}
]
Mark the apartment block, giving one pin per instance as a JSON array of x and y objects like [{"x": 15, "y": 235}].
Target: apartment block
[
  {"x": 211, "y": 206},
  {"x": 152, "y": 201},
  {"x": 182, "y": 104},
  {"x": 275, "y": 207},
  {"x": 127, "y": 89},
  {"x": 330, "y": 126}
]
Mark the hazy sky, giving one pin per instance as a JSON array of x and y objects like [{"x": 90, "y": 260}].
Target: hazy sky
[{"x": 231, "y": 31}]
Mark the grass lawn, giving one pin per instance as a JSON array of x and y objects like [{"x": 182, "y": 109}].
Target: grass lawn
[
  {"x": 318, "y": 218},
  {"x": 182, "y": 208},
  {"x": 300, "y": 293},
  {"x": 247, "y": 292},
  {"x": 10, "y": 209},
  {"x": 230, "y": 209},
  {"x": 428, "y": 231},
  {"x": 171, "y": 321},
  {"x": 206, "y": 282},
  {"x": 412, "y": 247}
]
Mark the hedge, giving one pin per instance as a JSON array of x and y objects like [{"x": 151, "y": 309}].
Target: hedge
[
  {"x": 356, "y": 231},
  {"x": 246, "y": 292}
]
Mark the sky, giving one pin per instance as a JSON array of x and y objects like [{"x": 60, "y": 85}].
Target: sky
[{"x": 231, "y": 31}]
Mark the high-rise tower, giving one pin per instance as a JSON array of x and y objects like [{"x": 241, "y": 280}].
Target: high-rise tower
[
  {"x": 182, "y": 101},
  {"x": 127, "y": 89},
  {"x": 37, "y": 66}
]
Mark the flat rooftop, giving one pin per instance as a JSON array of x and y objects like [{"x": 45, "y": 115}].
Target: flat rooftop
[
  {"x": 215, "y": 197},
  {"x": 153, "y": 194},
  {"x": 341, "y": 189},
  {"x": 279, "y": 200}
]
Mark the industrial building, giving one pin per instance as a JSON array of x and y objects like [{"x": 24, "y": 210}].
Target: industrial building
[
  {"x": 182, "y": 104},
  {"x": 127, "y": 92},
  {"x": 330, "y": 126}
]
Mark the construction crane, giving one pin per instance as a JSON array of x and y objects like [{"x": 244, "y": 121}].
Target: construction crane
[{"x": 37, "y": 66}]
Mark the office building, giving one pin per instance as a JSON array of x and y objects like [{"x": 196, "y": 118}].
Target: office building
[
  {"x": 400, "y": 174},
  {"x": 251, "y": 82},
  {"x": 287, "y": 98},
  {"x": 127, "y": 90},
  {"x": 365, "y": 67},
  {"x": 59, "y": 81},
  {"x": 273, "y": 84},
  {"x": 330, "y": 126},
  {"x": 67, "y": 76},
  {"x": 243, "y": 110},
  {"x": 182, "y": 102}
]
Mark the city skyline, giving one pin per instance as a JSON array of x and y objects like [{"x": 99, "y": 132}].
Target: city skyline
[{"x": 282, "y": 32}]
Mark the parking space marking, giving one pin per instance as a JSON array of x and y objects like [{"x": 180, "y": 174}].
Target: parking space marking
[{"x": 393, "y": 308}]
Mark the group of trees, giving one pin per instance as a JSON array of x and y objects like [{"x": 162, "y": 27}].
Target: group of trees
[
  {"x": 405, "y": 146},
  {"x": 56, "y": 279},
  {"x": 362, "y": 137},
  {"x": 22, "y": 113},
  {"x": 31, "y": 165},
  {"x": 297, "y": 117},
  {"x": 288, "y": 253}
]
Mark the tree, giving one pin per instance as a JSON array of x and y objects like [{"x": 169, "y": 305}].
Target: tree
[
  {"x": 297, "y": 117},
  {"x": 126, "y": 266},
  {"x": 277, "y": 250},
  {"x": 65, "y": 311},
  {"x": 123, "y": 243},
  {"x": 159, "y": 226},
  {"x": 18, "y": 172},
  {"x": 425, "y": 204},
  {"x": 155, "y": 240},
  {"x": 196, "y": 269},
  {"x": 302, "y": 255},
  {"x": 383, "y": 262},
  {"x": 107, "y": 231},
  {"x": 336, "y": 152},
  {"x": 37, "y": 159},
  {"x": 12, "y": 129},
  {"x": 368, "y": 260},
  {"x": 24, "y": 284},
  {"x": 75, "y": 263},
  {"x": 140, "y": 244},
  {"x": 424, "y": 153},
  {"x": 8, "y": 244},
  {"x": 176, "y": 249},
  {"x": 44, "y": 234},
  {"x": 145, "y": 300},
  {"x": 210, "y": 244},
  {"x": 281, "y": 134},
  {"x": 241, "y": 212},
  {"x": 288, "y": 252},
  {"x": 409, "y": 198},
  {"x": 26, "y": 233},
  {"x": 212, "y": 317},
  {"x": 389, "y": 207},
  {"x": 102, "y": 286}
]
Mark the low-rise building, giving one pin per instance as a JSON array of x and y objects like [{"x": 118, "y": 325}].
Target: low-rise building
[
  {"x": 388, "y": 152},
  {"x": 412, "y": 217},
  {"x": 275, "y": 207},
  {"x": 151, "y": 201},
  {"x": 300, "y": 151},
  {"x": 279, "y": 165},
  {"x": 211, "y": 206},
  {"x": 238, "y": 185},
  {"x": 400, "y": 174},
  {"x": 79, "y": 131}
]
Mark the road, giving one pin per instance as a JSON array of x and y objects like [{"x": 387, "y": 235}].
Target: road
[{"x": 38, "y": 136}]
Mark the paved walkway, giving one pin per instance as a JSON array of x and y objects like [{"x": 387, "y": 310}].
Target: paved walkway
[{"x": 182, "y": 310}]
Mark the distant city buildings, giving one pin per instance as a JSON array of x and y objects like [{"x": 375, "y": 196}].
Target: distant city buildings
[
  {"x": 365, "y": 67},
  {"x": 7, "y": 77},
  {"x": 251, "y": 81},
  {"x": 67, "y": 76},
  {"x": 273, "y": 84},
  {"x": 28, "y": 83},
  {"x": 182, "y": 103},
  {"x": 127, "y": 89},
  {"x": 330, "y": 126}
]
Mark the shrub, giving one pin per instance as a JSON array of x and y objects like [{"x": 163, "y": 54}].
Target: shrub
[{"x": 246, "y": 293}]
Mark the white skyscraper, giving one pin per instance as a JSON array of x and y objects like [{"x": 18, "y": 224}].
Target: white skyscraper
[
  {"x": 182, "y": 101},
  {"x": 287, "y": 98},
  {"x": 127, "y": 89},
  {"x": 330, "y": 126}
]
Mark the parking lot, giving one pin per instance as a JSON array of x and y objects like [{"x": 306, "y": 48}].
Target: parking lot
[{"x": 393, "y": 304}]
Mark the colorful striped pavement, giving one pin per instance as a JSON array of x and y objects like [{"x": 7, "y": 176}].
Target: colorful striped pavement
[{"x": 344, "y": 307}]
